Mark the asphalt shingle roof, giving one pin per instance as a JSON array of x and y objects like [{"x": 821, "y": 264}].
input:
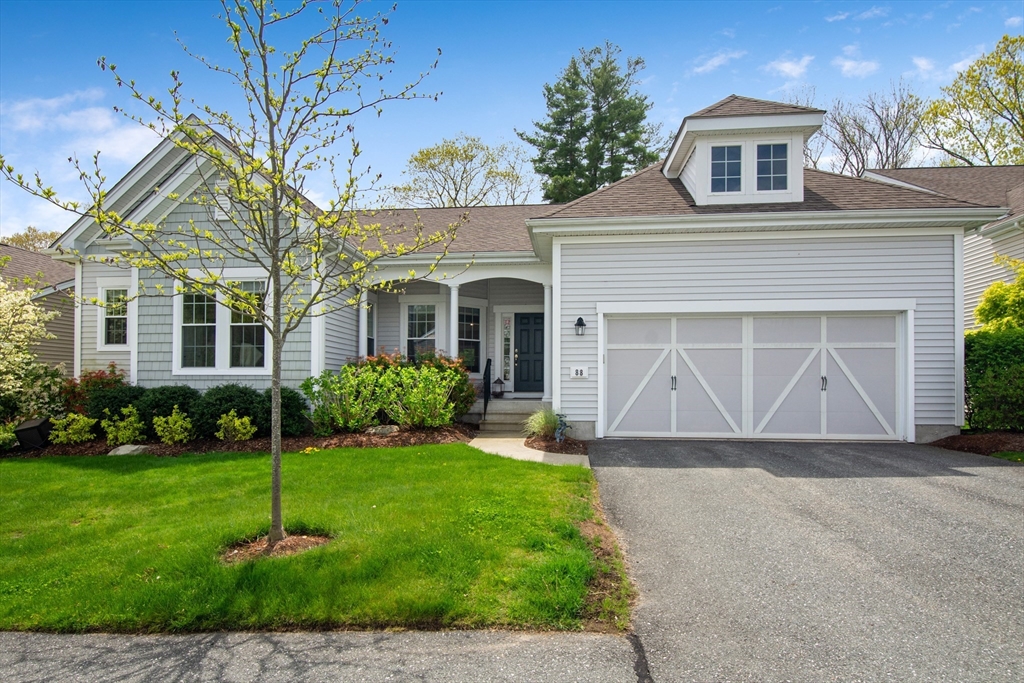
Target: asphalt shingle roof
[
  {"x": 650, "y": 193},
  {"x": 737, "y": 105},
  {"x": 988, "y": 185},
  {"x": 31, "y": 264}
]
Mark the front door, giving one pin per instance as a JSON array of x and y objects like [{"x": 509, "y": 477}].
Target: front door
[{"x": 529, "y": 352}]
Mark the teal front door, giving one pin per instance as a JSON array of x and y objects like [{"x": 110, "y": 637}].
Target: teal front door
[{"x": 529, "y": 352}]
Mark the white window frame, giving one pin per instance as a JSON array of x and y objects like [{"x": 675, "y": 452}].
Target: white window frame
[
  {"x": 482, "y": 304},
  {"x": 789, "y": 165},
  {"x": 371, "y": 327},
  {"x": 743, "y": 153},
  {"x": 440, "y": 319},
  {"x": 103, "y": 286},
  {"x": 223, "y": 341}
]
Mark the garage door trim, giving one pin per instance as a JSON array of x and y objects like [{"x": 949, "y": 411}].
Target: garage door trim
[{"x": 903, "y": 309}]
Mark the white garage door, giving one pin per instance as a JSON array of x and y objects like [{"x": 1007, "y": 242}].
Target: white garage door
[{"x": 769, "y": 376}]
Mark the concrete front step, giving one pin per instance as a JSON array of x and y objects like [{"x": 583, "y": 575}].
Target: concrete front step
[{"x": 515, "y": 405}]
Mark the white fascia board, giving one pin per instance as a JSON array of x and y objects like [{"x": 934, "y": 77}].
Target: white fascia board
[
  {"x": 464, "y": 259},
  {"x": 998, "y": 228},
  {"x": 871, "y": 175},
  {"x": 59, "y": 287},
  {"x": 692, "y": 129}
]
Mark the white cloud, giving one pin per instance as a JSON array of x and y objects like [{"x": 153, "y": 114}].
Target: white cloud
[
  {"x": 790, "y": 68},
  {"x": 925, "y": 67},
  {"x": 852, "y": 50},
  {"x": 855, "y": 68},
  {"x": 837, "y": 17},
  {"x": 728, "y": 32},
  {"x": 721, "y": 59},
  {"x": 873, "y": 13},
  {"x": 1014, "y": 21},
  {"x": 38, "y": 113}
]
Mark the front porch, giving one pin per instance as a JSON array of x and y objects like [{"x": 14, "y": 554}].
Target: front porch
[{"x": 483, "y": 317}]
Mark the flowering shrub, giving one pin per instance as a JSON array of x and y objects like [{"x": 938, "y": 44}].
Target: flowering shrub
[
  {"x": 77, "y": 390},
  {"x": 175, "y": 428},
  {"x": 72, "y": 428},
  {"x": 128, "y": 428}
]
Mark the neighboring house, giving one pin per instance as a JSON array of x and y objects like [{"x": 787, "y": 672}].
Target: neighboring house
[
  {"x": 726, "y": 292},
  {"x": 991, "y": 185},
  {"x": 55, "y": 285}
]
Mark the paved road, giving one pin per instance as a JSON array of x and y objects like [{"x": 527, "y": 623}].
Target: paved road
[
  {"x": 820, "y": 562},
  {"x": 311, "y": 657}
]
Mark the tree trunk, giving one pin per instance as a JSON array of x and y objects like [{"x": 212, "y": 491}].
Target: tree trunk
[{"x": 276, "y": 524}]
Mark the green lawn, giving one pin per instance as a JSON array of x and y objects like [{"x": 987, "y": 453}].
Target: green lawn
[
  {"x": 1010, "y": 455},
  {"x": 424, "y": 536}
]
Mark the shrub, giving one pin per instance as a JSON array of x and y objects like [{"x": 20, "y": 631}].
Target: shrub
[
  {"x": 222, "y": 399},
  {"x": 234, "y": 428},
  {"x": 294, "y": 418},
  {"x": 418, "y": 396},
  {"x": 348, "y": 401},
  {"x": 994, "y": 379},
  {"x": 546, "y": 423},
  {"x": 128, "y": 428},
  {"x": 112, "y": 400},
  {"x": 161, "y": 402},
  {"x": 72, "y": 428},
  {"x": 462, "y": 394},
  {"x": 175, "y": 428},
  {"x": 76, "y": 390},
  {"x": 43, "y": 392},
  {"x": 8, "y": 439}
]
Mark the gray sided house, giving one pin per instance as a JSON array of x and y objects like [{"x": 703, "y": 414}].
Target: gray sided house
[
  {"x": 991, "y": 185},
  {"x": 724, "y": 292}
]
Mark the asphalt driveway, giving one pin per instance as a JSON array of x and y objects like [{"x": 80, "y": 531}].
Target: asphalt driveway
[{"x": 820, "y": 562}]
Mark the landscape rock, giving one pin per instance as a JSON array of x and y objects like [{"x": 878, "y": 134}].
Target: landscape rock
[
  {"x": 128, "y": 449},
  {"x": 382, "y": 430}
]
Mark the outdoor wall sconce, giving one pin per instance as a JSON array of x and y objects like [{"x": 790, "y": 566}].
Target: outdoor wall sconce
[
  {"x": 581, "y": 327},
  {"x": 498, "y": 388}
]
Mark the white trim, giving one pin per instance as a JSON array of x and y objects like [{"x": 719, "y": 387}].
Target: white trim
[
  {"x": 169, "y": 187},
  {"x": 318, "y": 342},
  {"x": 910, "y": 388},
  {"x": 548, "y": 343},
  {"x": 133, "y": 326},
  {"x": 498, "y": 312},
  {"x": 361, "y": 326},
  {"x": 602, "y": 374},
  {"x": 102, "y": 285},
  {"x": 78, "y": 318},
  {"x": 760, "y": 306},
  {"x": 556, "y": 327},
  {"x": 453, "y": 321},
  {"x": 439, "y": 302},
  {"x": 958, "y": 326},
  {"x": 222, "y": 351},
  {"x": 872, "y": 175}
]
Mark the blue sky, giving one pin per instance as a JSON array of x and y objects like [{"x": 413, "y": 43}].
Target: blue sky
[{"x": 496, "y": 56}]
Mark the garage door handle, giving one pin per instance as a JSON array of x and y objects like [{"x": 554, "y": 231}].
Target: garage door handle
[
  {"x": 824, "y": 383},
  {"x": 673, "y": 384}
]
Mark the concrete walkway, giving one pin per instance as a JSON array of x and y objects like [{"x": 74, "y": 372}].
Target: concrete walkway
[
  {"x": 512, "y": 445},
  {"x": 465, "y": 656}
]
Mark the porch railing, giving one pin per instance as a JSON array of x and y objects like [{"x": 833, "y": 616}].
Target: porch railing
[{"x": 487, "y": 385}]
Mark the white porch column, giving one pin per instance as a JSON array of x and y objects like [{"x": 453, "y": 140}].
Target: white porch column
[
  {"x": 361, "y": 342},
  {"x": 549, "y": 335},
  {"x": 453, "y": 322}
]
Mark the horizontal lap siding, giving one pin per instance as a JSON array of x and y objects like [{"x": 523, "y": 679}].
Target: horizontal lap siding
[
  {"x": 980, "y": 269},
  {"x": 894, "y": 267},
  {"x": 341, "y": 332},
  {"x": 93, "y": 359}
]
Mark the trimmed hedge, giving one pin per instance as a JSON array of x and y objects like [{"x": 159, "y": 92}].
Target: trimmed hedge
[
  {"x": 112, "y": 398},
  {"x": 294, "y": 418},
  {"x": 994, "y": 379},
  {"x": 160, "y": 402},
  {"x": 219, "y": 400}
]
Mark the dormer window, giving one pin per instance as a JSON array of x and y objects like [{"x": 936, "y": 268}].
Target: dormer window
[
  {"x": 771, "y": 167},
  {"x": 726, "y": 168}
]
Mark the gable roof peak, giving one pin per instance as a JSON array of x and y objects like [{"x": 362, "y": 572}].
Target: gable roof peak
[{"x": 738, "y": 105}]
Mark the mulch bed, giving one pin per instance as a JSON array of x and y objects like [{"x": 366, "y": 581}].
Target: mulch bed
[
  {"x": 549, "y": 445},
  {"x": 460, "y": 433},
  {"x": 983, "y": 444},
  {"x": 291, "y": 545}
]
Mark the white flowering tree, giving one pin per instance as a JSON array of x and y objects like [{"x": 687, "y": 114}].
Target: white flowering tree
[{"x": 22, "y": 324}]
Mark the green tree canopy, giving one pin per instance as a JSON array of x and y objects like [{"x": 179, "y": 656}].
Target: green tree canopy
[
  {"x": 596, "y": 130},
  {"x": 1002, "y": 304},
  {"x": 979, "y": 120},
  {"x": 464, "y": 171},
  {"x": 32, "y": 238}
]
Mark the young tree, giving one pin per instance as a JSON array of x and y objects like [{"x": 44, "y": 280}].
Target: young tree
[
  {"x": 298, "y": 104},
  {"x": 464, "y": 171},
  {"x": 596, "y": 131},
  {"x": 979, "y": 121},
  {"x": 880, "y": 131},
  {"x": 32, "y": 238}
]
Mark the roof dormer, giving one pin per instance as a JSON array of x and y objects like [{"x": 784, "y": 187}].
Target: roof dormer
[{"x": 743, "y": 151}]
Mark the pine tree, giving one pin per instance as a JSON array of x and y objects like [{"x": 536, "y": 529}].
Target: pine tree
[{"x": 596, "y": 131}]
